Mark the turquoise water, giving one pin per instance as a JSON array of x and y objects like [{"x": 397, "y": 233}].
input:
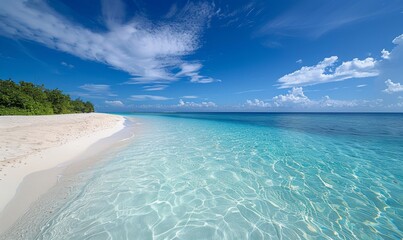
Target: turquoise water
[{"x": 245, "y": 176}]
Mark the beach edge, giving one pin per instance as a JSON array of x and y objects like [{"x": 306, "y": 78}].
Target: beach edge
[{"x": 17, "y": 197}]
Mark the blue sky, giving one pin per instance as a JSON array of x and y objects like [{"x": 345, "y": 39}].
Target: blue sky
[{"x": 317, "y": 55}]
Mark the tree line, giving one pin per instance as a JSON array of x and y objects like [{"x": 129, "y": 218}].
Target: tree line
[{"x": 25, "y": 98}]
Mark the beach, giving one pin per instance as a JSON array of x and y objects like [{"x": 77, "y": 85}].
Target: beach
[{"x": 30, "y": 144}]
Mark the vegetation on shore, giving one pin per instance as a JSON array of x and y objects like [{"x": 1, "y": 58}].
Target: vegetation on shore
[{"x": 26, "y": 98}]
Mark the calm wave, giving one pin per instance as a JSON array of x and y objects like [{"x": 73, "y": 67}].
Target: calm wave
[{"x": 245, "y": 176}]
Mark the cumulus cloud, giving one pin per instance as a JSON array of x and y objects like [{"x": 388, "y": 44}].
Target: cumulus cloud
[
  {"x": 392, "y": 87},
  {"x": 397, "y": 52},
  {"x": 392, "y": 68},
  {"x": 327, "y": 71},
  {"x": 296, "y": 98},
  {"x": 115, "y": 103},
  {"x": 385, "y": 54},
  {"x": 328, "y": 102},
  {"x": 196, "y": 105},
  {"x": 398, "y": 40},
  {"x": 257, "y": 103},
  {"x": 148, "y": 51},
  {"x": 148, "y": 97}
]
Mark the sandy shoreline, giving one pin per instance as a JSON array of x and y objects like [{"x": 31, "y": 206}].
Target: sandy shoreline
[{"x": 31, "y": 144}]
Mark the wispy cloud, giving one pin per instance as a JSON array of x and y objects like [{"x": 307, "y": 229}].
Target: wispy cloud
[
  {"x": 191, "y": 70},
  {"x": 148, "y": 97},
  {"x": 326, "y": 71},
  {"x": 155, "y": 87},
  {"x": 249, "y": 91},
  {"x": 172, "y": 11},
  {"x": 148, "y": 51},
  {"x": 190, "y": 97},
  {"x": 67, "y": 65},
  {"x": 99, "y": 91},
  {"x": 115, "y": 103},
  {"x": 325, "y": 16},
  {"x": 244, "y": 16}
]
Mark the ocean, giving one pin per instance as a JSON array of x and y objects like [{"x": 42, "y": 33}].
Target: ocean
[{"x": 244, "y": 176}]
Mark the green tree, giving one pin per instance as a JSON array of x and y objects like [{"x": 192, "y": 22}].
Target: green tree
[
  {"x": 60, "y": 102},
  {"x": 89, "y": 107},
  {"x": 29, "y": 99}
]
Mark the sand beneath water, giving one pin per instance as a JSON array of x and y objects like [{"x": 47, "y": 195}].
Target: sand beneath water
[{"x": 29, "y": 144}]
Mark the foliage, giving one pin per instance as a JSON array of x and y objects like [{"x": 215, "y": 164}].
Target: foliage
[{"x": 29, "y": 99}]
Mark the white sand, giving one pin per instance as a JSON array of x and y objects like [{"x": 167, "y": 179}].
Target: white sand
[{"x": 29, "y": 144}]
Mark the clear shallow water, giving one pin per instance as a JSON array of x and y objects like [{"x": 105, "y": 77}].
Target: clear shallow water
[{"x": 239, "y": 176}]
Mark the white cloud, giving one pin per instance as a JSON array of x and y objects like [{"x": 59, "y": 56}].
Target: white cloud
[
  {"x": 196, "y": 105},
  {"x": 326, "y": 71},
  {"x": 202, "y": 79},
  {"x": 328, "y": 102},
  {"x": 385, "y": 54},
  {"x": 191, "y": 70},
  {"x": 148, "y": 97},
  {"x": 257, "y": 103},
  {"x": 67, "y": 65},
  {"x": 393, "y": 87},
  {"x": 250, "y": 91},
  {"x": 155, "y": 87},
  {"x": 149, "y": 51},
  {"x": 294, "y": 96},
  {"x": 114, "y": 103},
  {"x": 299, "y": 61},
  {"x": 392, "y": 68},
  {"x": 96, "y": 88},
  {"x": 398, "y": 40},
  {"x": 361, "y": 85},
  {"x": 190, "y": 97},
  {"x": 324, "y": 16},
  {"x": 95, "y": 91},
  {"x": 238, "y": 16}
]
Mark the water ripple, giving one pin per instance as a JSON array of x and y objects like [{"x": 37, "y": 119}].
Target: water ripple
[{"x": 189, "y": 178}]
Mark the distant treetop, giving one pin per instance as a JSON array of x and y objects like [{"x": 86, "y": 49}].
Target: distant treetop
[{"x": 26, "y": 98}]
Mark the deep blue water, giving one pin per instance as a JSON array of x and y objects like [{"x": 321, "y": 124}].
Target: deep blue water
[{"x": 245, "y": 176}]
